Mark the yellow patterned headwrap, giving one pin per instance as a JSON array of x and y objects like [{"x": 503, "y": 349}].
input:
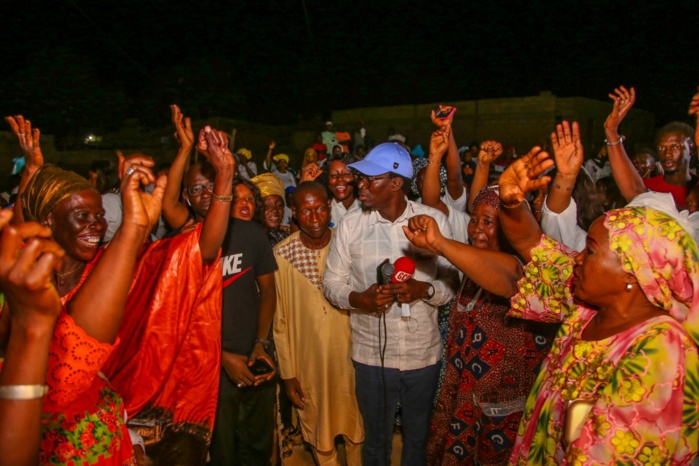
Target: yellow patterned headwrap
[
  {"x": 663, "y": 257},
  {"x": 50, "y": 186},
  {"x": 245, "y": 153},
  {"x": 279, "y": 157},
  {"x": 269, "y": 184}
]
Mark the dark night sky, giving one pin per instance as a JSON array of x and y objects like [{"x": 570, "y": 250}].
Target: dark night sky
[{"x": 82, "y": 63}]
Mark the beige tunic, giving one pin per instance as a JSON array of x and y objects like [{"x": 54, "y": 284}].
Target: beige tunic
[{"x": 313, "y": 341}]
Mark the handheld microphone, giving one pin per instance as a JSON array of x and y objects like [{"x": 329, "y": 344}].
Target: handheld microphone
[
  {"x": 404, "y": 269},
  {"x": 387, "y": 270}
]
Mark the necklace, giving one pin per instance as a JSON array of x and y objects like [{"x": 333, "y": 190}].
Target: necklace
[{"x": 64, "y": 275}]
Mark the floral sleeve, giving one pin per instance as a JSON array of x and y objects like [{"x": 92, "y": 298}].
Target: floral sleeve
[
  {"x": 544, "y": 293},
  {"x": 647, "y": 412}
]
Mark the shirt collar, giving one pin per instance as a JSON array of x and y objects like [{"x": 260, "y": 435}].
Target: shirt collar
[{"x": 407, "y": 213}]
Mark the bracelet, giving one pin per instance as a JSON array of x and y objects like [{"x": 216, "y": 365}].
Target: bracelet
[
  {"x": 430, "y": 292},
  {"x": 264, "y": 342},
  {"x": 218, "y": 198},
  {"x": 510, "y": 206},
  {"x": 22, "y": 392},
  {"x": 618, "y": 141}
]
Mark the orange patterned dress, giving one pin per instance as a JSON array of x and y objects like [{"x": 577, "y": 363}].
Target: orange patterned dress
[
  {"x": 172, "y": 299},
  {"x": 83, "y": 414}
]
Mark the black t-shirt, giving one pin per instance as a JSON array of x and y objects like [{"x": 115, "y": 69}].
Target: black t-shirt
[{"x": 246, "y": 254}]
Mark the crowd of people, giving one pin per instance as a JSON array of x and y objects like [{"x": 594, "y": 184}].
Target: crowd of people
[{"x": 491, "y": 309}]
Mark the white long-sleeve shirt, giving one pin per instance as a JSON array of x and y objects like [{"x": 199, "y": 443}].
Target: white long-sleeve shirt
[
  {"x": 564, "y": 227},
  {"x": 338, "y": 211},
  {"x": 363, "y": 240}
]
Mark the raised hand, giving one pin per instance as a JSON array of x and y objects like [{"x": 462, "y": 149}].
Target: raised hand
[
  {"x": 272, "y": 144},
  {"x": 442, "y": 122},
  {"x": 141, "y": 209},
  {"x": 28, "y": 141},
  {"x": 489, "y": 151},
  {"x": 522, "y": 176},
  {"x": 567, "y": 148},
  {"x": 439, "y": 141},
  {"x": 694, "y": 106},
  {"x": 623, "y": 101},
  {"x": 134, "y": 160},
  {"x": 694, "y": 110},
  {"x": 217, "y": 151},
  {"x": 310, "y": 172},
  {"x": 183, "y": 128},
  {"x": 423, "y": 232},
  {"x": 26, "y": 277}
]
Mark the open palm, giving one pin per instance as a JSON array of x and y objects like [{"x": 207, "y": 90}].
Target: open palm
[
  {"x": 524, "y": 175},
  {"x": 567, "y": 148}
]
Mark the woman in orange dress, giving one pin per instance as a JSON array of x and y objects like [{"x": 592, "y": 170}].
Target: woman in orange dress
[{"x": 83, "y": 412}]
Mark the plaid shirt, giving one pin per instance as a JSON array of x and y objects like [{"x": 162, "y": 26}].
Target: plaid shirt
[{"x": 361, "y": 242}]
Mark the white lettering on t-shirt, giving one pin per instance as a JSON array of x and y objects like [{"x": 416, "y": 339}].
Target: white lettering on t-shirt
[{"x": 231, "y": 264}]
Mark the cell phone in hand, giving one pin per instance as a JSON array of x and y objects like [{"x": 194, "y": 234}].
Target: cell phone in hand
[
  {"x": 444, "y": 112},
  {"x": 260, "y": 367}
]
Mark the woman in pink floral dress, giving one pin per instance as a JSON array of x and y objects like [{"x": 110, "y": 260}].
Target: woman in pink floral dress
[{"x": 621, "y": 384}]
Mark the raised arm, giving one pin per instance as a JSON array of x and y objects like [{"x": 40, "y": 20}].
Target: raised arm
[
  {"x": 568, "y": 154},
  {"x": 694, "y": 110},
  {"x": 310, "y": 172},
  {"x": 489, "y": 151},
  {"x": 216, "y": 222},
  {"x": 32, "y": 308},
  {"x": 98, "y": 305},
  {"x": 455, "y": 182},
  {"x": 28, "y": 139},
  {"x": 244, "y": 166},
  {"x": 521, "y": 177},
  {"x": 625, "y": 175},
  {"x": 175, "y": 213},
  {"x": 267, "y": 164},
  {"x": 499, "y": 276},
  {"x": 431, "y": 188}
]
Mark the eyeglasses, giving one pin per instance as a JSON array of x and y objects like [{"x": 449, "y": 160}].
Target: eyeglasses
[
  {"x": 368, "y": 180},
  {"x": 196, "y": 189},
  {"x": 674, "y": 149}
]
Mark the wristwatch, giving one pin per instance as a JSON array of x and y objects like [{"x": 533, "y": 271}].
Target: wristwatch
[
  {"x": 430, "y": 292},
  {"x": 264, "y": 342}
]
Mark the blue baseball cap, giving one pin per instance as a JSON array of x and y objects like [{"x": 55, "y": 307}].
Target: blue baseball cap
[{"x": 384, "y": 158}]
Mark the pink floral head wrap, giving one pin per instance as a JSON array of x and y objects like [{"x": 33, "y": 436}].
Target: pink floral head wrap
[{"x": 663, "y": 257}]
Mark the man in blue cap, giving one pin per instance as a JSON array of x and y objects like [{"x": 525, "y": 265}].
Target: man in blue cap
[{"x": 396, "y": 346}]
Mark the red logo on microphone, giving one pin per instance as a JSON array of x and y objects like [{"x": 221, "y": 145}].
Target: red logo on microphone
[{"x": 401, "y": 276}]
